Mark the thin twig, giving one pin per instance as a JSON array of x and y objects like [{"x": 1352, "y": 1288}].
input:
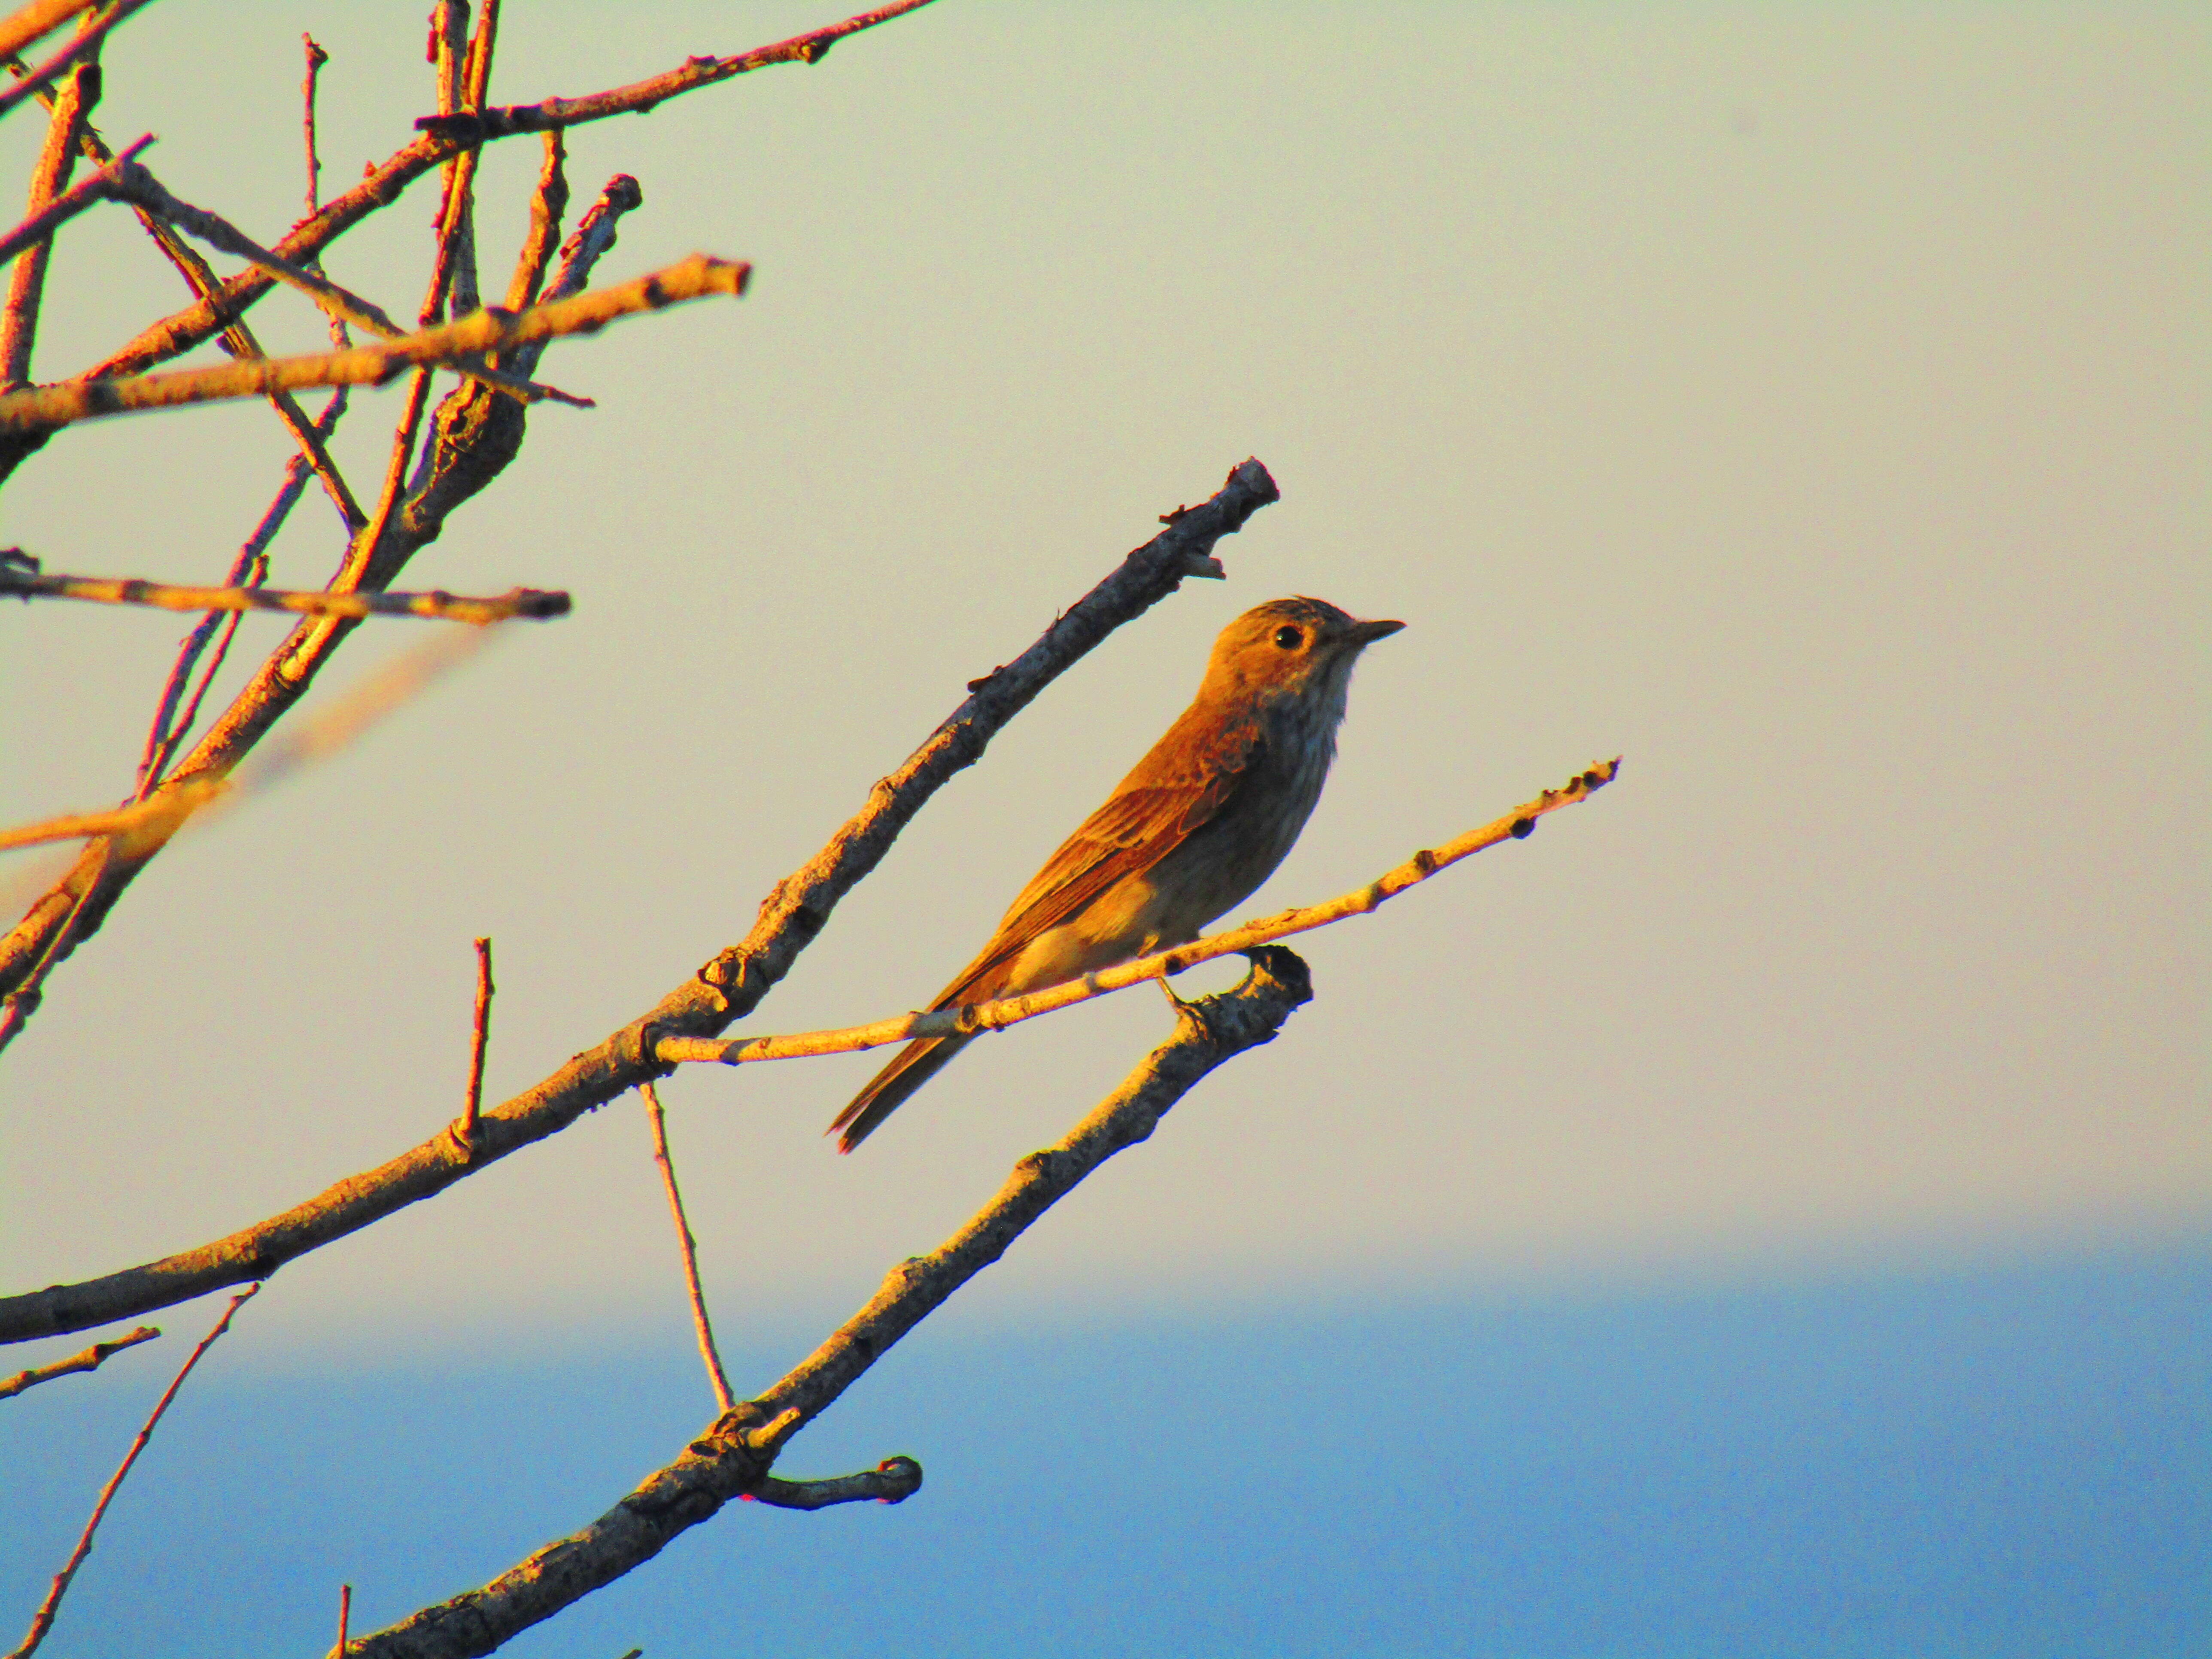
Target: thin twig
[
  {"x": 93, "y": 188},
  {"x": 249, "y": 569},
  {"x": 891, "y": 1481},
  {"x": 373, "y": 535},
  {"x": 808, "y": 48},
  {"x": 460, "y": 222},
  {"x": 533, "y": 603},
  {"x": 179, "y": 332},
  {"x": 44, "y": 1621},
  {"x": 345, "y": 1617},
  {"x": 316, "y": 59},
  {"x": 586, "y": 245},
  {"x": 476, "y": 434},
  {"x": 128, "y": 182},
  {"x": 165, "y": 739},
  {"x": 237, "y": 338},
  {"x": 85, "y": 43},
  {"x": 705, "y": 1002},
  {"x": 479, "y": 1040},
  {"x": 19, "y": 322},
  {"x": 90, "y": 1359},
  {"x": 547, "y": 204},
  {"x": 24, "y": 997},
  {"x": 448, "y": 49},
  {"x": 969, "y": 1019},
  {"x": 701, "y": 1325},
  {"x": 734, "y": 1458},
  {"x": 45, "y": 408}
]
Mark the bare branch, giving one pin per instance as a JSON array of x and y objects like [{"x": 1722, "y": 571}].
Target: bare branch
[
  {"x": 973, "y": 1018},
  {"x": 43, "y": 1620},
  {"x": 45, "y": 408},
  {"x": 180, "y": 332},
  {"x": 642, "y": 96},
  {"x": 533, "y": 603},
  {"x": 477, "y": 433},
  {"x": 701, "y": 1326},
  {"x": 40, "y": 17},
  {"x": 547, "y": 204},
  {"x": 479, "y": 1042},
  {"x": 458, "y": 236},
  {"x": 720, "y": 993},
  {"x": 237, "y": 339},
  {"x": 139, "y": 188},
  {"x": 91, "y": 1359},
  {"x": 247, "y": 570},
  {"x": 316, "y": 59},
  {"x": 95, "y": 187},
  {"x": 448, "y": 50},
  {"x": 19, "y": 322},
  {"x": 734, "y": 1458},
  {"x": 891, "y": 1481},
  {"x": 85, "y": 43},
  {"x": 27, "y": 989}
]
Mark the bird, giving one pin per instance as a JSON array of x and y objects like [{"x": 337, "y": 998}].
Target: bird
[{"x": 1192, "y": 830}]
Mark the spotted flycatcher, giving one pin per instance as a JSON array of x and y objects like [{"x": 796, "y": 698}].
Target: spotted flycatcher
[{"x": 1203, "y": 820}]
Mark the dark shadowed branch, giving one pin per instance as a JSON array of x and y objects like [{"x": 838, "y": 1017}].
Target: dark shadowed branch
[
  {"x": 891, "y": 1481},
  {"x": 734, "y": 1458}
]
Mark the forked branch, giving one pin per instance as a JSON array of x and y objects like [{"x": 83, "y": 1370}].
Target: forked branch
[
  {"x": 734, "y": 1458},
  {"x": 476, "y": 433},
  {"x": 384, "y": 184},
  {"x": 88, "y": 1360},
  {"x": 43, "y": 1620},
  {"x": 721, "y": 992}
]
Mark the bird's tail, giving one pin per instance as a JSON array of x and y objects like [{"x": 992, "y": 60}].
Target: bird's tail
[{"x": 916, "y": 1064}]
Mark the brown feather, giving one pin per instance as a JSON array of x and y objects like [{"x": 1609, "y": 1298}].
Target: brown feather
[{"x": 1194, "y": 830}]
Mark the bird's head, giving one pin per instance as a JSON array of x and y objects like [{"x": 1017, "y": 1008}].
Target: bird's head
[{"x": 1295, "y": 647}]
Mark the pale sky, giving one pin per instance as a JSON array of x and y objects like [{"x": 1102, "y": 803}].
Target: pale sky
[{"x": 1807, "y": 403}]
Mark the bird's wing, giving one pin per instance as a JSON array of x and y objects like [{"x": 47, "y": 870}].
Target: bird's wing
[{"x": 1191, "y": 774}]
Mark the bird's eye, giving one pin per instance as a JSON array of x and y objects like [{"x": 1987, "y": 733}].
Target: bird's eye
[{"x": 1288, "y": 638}]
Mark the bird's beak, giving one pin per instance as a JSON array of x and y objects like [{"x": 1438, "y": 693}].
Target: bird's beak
[{"x": 1366, "y": 633}]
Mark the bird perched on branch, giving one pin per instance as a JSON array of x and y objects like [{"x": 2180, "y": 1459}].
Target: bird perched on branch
[{"x": 1192, "y": 831}]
